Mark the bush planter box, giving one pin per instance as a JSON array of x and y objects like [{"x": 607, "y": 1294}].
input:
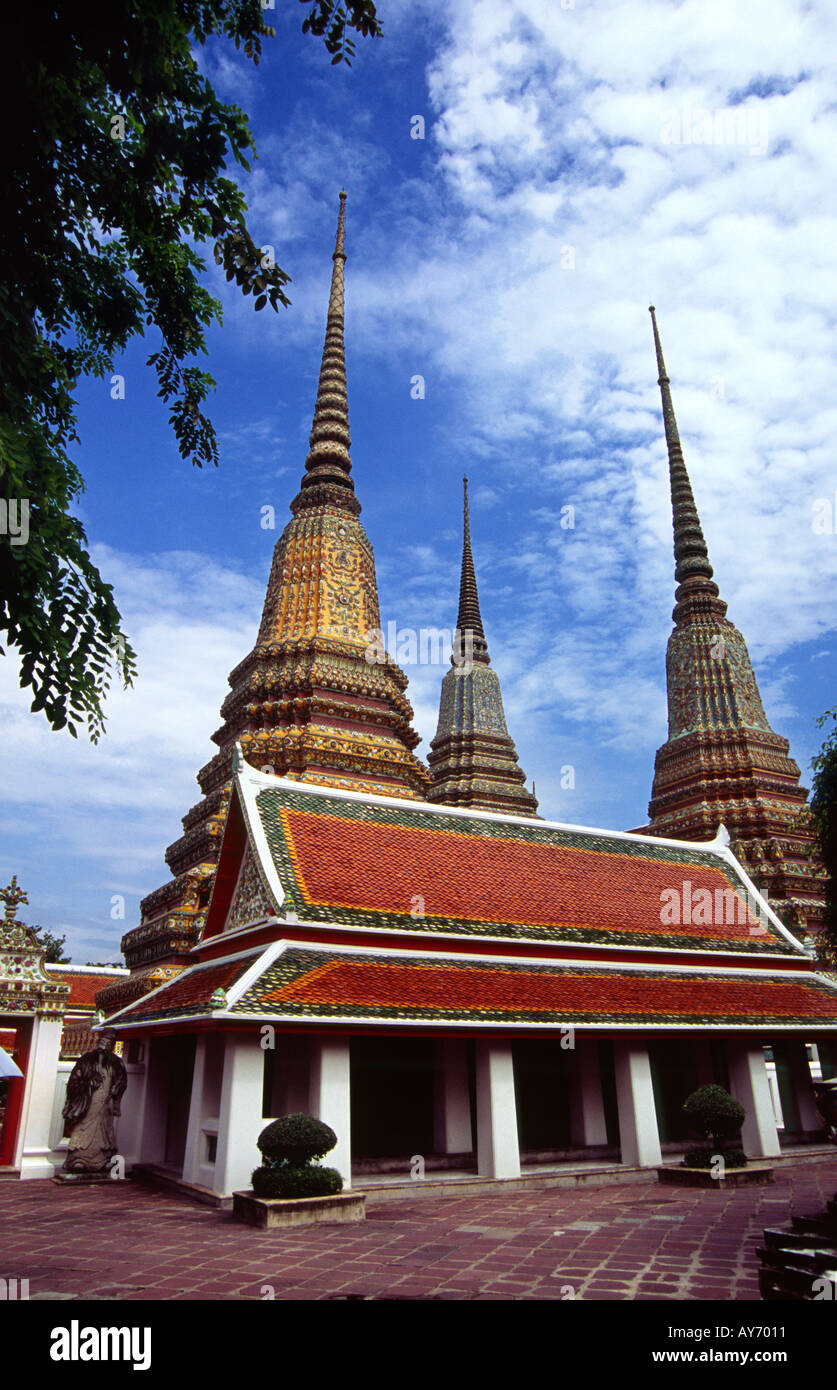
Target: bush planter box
[
  {"x": 754, "y": 1175},
  {"x": 270, "y": 1212}
]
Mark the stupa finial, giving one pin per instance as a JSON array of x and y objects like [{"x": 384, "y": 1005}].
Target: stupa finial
[
  {"x": 328, "y": 465},
  {"x": 470, "y": 619},
  {"x": 693, "y": 571}
]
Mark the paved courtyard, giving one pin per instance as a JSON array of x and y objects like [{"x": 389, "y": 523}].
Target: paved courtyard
[{"x": 639, "y": 1241}]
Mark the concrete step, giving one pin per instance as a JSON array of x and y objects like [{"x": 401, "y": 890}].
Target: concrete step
[
  {"x": 795, "y": 1240},
  {"x": 470, "y": 1185},
  {"x": 157, "y": 1175},
  {"x": 815, "y": 1225}
]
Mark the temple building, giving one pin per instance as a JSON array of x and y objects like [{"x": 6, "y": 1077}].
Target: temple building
[
  {"x": 489, "y": 993},
  {"x": 419, "y": 959},
  {"x": 472, "y": 760},
  {"x": 722, "y": 763}
]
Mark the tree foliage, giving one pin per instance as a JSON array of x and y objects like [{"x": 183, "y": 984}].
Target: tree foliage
[
  {"x": 114, "y": 178},
  {"x": 714, "y": 1114},
  {"x": 823, "y": 807},
  {"x": 53, "y": 946}
]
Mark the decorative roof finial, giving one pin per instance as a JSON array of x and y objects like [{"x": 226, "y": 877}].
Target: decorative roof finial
[
  {"x": 693, "y": 571},
  {"x": 13, "y": 896}
]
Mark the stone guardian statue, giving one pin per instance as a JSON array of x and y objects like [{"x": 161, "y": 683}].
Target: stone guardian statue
[{"x": 96, "y": 1086}]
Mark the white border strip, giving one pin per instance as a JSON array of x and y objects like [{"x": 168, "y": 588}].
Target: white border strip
[{"x": 190, "y": 970}]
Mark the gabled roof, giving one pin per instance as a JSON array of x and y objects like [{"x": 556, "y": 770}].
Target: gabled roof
[{"x": 350, "y": 859}]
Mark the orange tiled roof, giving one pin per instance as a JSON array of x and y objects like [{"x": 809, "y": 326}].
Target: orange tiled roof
[
  {"x": 84, "y": 985},
  {"x": 311, "y": 984},
  {"x": 191, "y": 991},
  {"x": 414, "y": 868}
]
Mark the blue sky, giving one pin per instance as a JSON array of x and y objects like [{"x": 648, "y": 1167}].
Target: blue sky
[{"x": 578, "y": 164}]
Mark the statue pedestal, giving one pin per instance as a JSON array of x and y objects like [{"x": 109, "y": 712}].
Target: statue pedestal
[
  {"x": 83, "y": 1177},
  {"x": 270, "y": 1212}
]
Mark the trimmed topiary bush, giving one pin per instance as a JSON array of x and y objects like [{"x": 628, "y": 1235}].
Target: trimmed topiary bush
[
  {"x": 717, "y": 1117},
  {"x": 296, "y": 1139},
  {"x": 307, "y": 1180},
  {"x": 703, "y": 1158},
  {"x": 288, "y": 1146}
]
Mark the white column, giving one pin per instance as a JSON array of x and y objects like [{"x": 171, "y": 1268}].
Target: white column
[
  {"x": 127, "y": 1125},
  {"x": 194, "y": 1156},
  {"x": 41, "y": 1080},
  {"x": 451, "y": 1098},
  {"x": 329, "y": 1099},
  {"x": 152, "y": 1098},
  {"x": 639, "y": 1136},
  {"x": 749, "y": 1085},
  {"x": 587, "y": 1114},
  {"x": 498, "y": 1149},
  {"x": 240, "y": 1120}
]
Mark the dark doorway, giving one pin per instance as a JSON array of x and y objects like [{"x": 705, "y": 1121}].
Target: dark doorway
[
  {"x": 542, "y": 1093},
  {"x": 180, "y": 1065},
  {"x": 392, "y": 1097},
  {"x": 674, "y": 1076}
]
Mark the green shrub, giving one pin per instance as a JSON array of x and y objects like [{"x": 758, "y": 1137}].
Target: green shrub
[
  {"x": 704, "y": 1158},
  {"x": 295, "y": 1139},
  {"x": 714, "y": 1114},
  {"x": 287, "y": 1146},
  {"x": 301, "y": 1180}
]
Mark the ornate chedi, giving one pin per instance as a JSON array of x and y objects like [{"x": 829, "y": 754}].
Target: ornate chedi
[
  {"x": 722, "y": 762},
  {"x": 316, "y": 700},
  {"x": 472, "y": 760}
]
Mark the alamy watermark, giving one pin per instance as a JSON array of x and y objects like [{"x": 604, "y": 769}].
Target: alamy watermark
[
  {"x": 429, "y": 646},
  {"x": 729, "y": 125},
  {"x": 14, "y": 519},
  {"x": 688, "y": 906}
]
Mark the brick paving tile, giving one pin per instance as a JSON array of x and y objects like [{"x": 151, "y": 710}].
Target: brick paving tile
[{"x": 169, "y": 1248}]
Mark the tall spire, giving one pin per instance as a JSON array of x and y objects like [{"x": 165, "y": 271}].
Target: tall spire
[
  {"x": 472, "y": 759},
  {"x": 722, "y": 763},
  {"x": 693, "y": 572},
  {"x": 317, "y": 699},
  {"x": 328, "y": 465},
  {"x": 470, "y": 619}
]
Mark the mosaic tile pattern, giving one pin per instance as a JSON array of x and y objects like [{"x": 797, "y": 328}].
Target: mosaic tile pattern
[
  {"x": 367, "y": 865},
  {"x": 307, "y": 984}
]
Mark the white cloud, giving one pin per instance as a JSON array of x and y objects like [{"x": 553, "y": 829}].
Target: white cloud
[{"x": 101, "y": 816}]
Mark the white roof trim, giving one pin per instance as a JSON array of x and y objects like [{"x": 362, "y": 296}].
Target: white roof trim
[
  {"x": 88, "y": 969},
  {"x": 619, "y": 967},
  {"x": 497, "y": 1025},
  {"x": 756, "y": 961},
  {"x": 248, "y": 786},
  {"x": 189, "y": 970},
  {"x": 261, "y": 781}
]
